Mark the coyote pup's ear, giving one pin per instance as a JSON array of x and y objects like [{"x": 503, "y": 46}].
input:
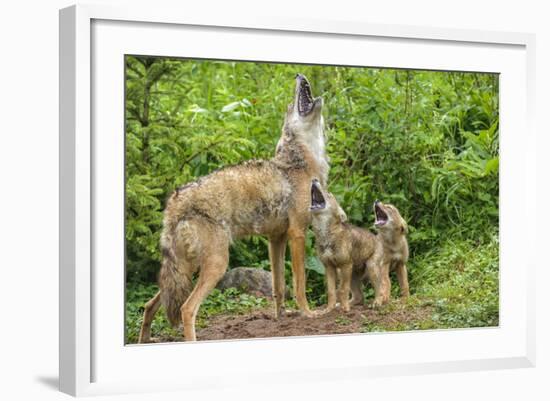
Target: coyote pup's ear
[{"x": 342, "y": 215}]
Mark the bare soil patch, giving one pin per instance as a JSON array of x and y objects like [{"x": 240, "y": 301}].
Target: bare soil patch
[{"x": 260, "y": 323}]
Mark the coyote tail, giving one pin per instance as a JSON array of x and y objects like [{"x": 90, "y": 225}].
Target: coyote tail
[{"x": 175, "y": 278}]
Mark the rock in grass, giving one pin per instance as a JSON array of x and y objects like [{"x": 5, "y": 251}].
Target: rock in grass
[{"x": 251, "y": 280}]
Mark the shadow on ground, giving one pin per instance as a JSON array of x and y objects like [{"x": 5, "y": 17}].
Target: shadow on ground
[{"x": 52, "y": 382}]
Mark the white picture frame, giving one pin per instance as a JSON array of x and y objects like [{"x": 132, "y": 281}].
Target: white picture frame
[{"x": 92, "y": 357}]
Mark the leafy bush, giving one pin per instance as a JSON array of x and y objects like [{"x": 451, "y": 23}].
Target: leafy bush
[{"x": 426, "y": 141}]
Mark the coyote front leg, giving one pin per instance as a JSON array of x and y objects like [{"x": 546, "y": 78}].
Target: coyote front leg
[
  {"x": 344, "y": 287},
  {"x": 401, "y": 272},
  {"x": 330, "y": 272},
  {"x": 277, "y": 248},
  {"x": 297, "y": 253}
]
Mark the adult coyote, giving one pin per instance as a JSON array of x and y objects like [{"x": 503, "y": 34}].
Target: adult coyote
[{"x": 257, "y": 197}]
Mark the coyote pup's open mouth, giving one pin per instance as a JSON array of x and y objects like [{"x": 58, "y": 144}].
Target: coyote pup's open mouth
[
  {"x": 317, "y": 199},
  {"x": 381, "y": 217}
]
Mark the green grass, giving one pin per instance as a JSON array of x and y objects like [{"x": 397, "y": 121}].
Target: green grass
[
  {"x": 460, "y": 279},
  {"x": 136, "y": 297}
]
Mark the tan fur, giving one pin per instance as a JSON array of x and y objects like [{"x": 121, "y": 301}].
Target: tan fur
[
  {"x": 391, "y": 254},
  {"x": 342, "y": 248},
  {"x": 357, "y": 254},
  {"x": 258, "y": 197}
]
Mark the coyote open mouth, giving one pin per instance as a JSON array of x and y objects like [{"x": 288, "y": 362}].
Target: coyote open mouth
[
  {"x": 317, "y": 199},
  {"x": 304, "y": 100},
  {"x": 381, "y": 216}
]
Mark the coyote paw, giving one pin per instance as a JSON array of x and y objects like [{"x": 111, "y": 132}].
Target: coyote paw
[
  {"x": 324, "y": 311},
  {"x": 290, "y": 312},
  {"x": 376, "y": 304},
  {"x": 149, "y": 340},
  {"x": 308, "y": 313}
]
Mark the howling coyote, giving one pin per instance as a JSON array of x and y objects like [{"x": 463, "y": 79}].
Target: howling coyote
[
  {"x": 258, "y": 197},
  {"x": 354, "y": 254}
]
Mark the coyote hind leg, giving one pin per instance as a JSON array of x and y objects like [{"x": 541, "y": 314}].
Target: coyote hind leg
[
  {"x": 357, "y": 297},
  {"x": 211, "y": 272},
  {"x": 151, "y": 309}
]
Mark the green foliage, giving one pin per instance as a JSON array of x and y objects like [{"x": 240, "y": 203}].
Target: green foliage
[
  {"x": 426, "y": 141},
  {"x": 136, "y": 297},
  {"x": 231, "y": 300},
  {"x": 462, "y": 279}
]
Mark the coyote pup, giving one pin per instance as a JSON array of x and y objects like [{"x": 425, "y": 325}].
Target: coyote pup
[
  {"x": 391, "y": 254},
  {"x": 257, "y": 197},
  {"x": 342, "y": 248},
  {"x": 354, "y": 254}
]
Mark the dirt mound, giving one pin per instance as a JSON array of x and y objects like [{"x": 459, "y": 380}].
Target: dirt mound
[{"x": 260, "y": 323}]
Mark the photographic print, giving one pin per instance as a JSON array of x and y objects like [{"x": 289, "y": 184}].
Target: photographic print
[{"x": 270, "y": 200}]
